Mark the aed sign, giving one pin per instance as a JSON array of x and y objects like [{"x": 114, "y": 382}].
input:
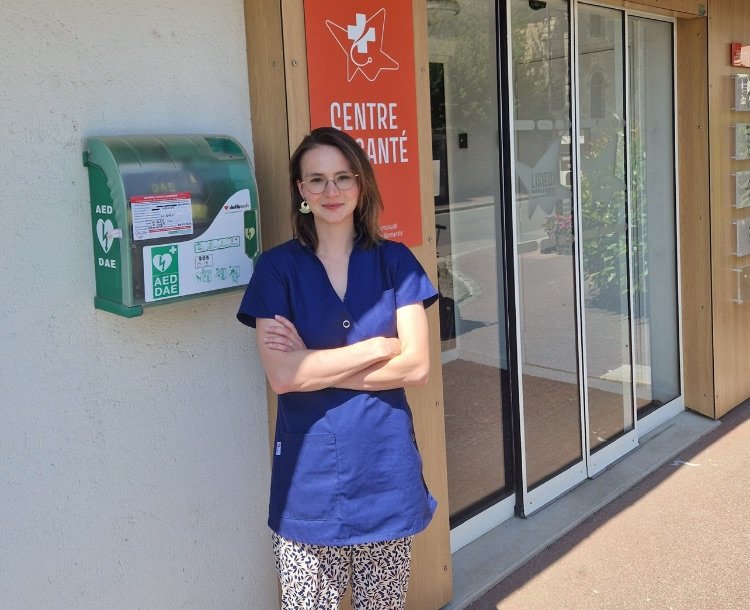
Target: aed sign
[
  {"x": 106, "y": 232},
  {"x": 165, "y": 272},
  {"x": 360, "y": 65}
]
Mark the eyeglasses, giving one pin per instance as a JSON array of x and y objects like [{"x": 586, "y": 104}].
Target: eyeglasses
[{"x": 343, "y": 181}]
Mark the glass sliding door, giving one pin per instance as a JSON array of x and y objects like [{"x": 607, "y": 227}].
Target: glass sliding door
[
  {"x": 468, "y": 212},
  {"x": 578, "y": 191},
  {"x": 605, "y": 243},
  {"x": 653, "y": 197},
  {"x": 544, "y": 228},
  {"x": 594, "y": 229}
]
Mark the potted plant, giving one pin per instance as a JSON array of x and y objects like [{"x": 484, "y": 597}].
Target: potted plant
[{"x": 560, "y": 228}]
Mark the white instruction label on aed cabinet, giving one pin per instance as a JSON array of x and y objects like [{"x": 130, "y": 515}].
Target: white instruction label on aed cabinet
[
  {"x": 165, "y": 215},
  {"x": 212, "y": 260}
]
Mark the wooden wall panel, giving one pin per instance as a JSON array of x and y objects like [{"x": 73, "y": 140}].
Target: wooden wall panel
[
  {"x": 295, "y": 53},
  {"x": 431, "y": 584},
  {"x": 265, "y": 56},
  {"x": 695, "y": 226},
  {"x": 277, "y": 67},
  {"x": 267, "y": 80},
  {"x": 728, "y": 23}
]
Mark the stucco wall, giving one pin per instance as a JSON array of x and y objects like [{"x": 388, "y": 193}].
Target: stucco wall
[{"x": 133, "y": 453}]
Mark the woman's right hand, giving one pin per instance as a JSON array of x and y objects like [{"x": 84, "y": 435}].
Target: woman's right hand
[{"x": 282, "y": 336}]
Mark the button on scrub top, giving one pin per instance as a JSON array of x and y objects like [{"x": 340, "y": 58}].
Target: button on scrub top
[{"x": 346, "y": 469}]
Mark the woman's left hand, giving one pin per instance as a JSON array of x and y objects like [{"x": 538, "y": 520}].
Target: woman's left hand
[{"x": 283, "y": 336}]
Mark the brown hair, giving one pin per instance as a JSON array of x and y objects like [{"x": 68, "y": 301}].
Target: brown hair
[{"x": 370, "y": 203}]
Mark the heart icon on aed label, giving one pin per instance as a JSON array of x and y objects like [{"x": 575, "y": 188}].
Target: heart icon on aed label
[
  {"x": 104, "y": 230},
  {"x": 249, "y": 233},
  {"x": 162, "y": 261}
]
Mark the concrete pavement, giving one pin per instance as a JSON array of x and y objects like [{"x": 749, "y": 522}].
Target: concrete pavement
[{"x": 678, "y": 539}]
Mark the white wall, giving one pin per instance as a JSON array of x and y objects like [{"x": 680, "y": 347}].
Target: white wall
[{"x": 133, "y": 453}]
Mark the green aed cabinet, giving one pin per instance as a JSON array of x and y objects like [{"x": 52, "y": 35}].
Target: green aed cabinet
[{"x": 172, "y": 217}]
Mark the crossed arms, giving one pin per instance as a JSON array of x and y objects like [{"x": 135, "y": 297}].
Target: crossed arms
[{"x": 379, "y": 363}]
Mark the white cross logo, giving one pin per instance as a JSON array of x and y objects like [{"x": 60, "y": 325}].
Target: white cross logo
[
  {"x": 355, "y": 33},
  {"x": 354, "y": 42}
]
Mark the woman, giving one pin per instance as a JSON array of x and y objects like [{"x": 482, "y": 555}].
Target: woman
[{"x": 341, "y": 330}]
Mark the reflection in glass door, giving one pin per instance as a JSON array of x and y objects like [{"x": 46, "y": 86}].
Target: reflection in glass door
[{"x": 468, "y": 215}]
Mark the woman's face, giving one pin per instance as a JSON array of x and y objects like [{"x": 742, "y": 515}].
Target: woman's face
[{"x": 324, "y": 167}]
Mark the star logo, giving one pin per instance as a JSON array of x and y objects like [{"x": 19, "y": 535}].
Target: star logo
[{"x": 362, "y": 43}]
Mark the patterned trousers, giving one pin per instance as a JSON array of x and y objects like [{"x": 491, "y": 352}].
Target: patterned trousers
[{"x": 315, "y": 577}]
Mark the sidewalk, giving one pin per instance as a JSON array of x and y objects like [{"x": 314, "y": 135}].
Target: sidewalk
[{"x": 679, "y": 538}]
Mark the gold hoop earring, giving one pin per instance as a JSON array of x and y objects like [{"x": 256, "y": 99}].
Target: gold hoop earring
[{"x": 304, "y": 207}]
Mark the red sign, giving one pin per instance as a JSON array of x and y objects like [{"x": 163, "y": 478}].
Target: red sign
[
  {"x": 360, "y": 65},
  {"x": 740, "y": 55}
]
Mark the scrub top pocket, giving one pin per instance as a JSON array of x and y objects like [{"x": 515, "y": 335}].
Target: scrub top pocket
[{"x": 305, "y": 482}]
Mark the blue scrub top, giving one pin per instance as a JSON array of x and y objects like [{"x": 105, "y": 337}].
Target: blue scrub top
[{"x": 346, "y": 469}]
